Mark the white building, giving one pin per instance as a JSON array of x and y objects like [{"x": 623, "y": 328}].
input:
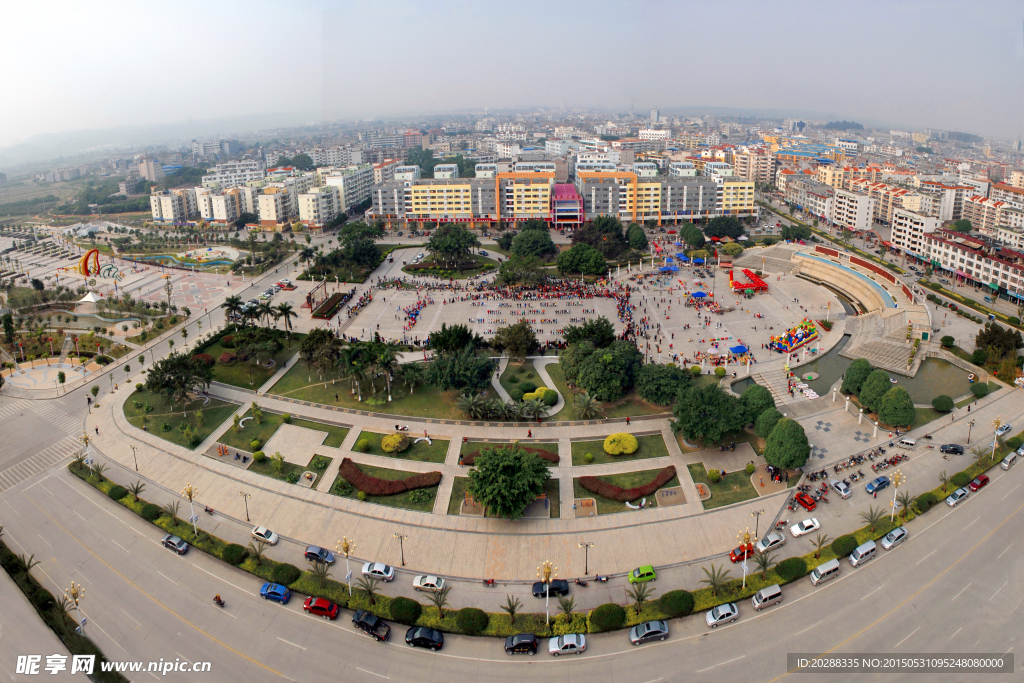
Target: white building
[
  {"x": 174, "y": 206},
  {"x": 274, "y": 206},
  {"x": 233, "y": 173},
  {"x": 385, "y": 171},
  {"x": 654, "y": 134},
  {"x": 851, "y": 210},
  {"x": 909, "y": 229},
  {"x": 408, "y": 173},
  {"x": 319, "y": 205},
  {"x": 446, "y": 171},
  {"x": 353, "y": 183}
]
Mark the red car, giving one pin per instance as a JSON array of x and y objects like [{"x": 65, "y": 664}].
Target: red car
[
  {"x": 806, "y": 502},
  {"x": 741, "y": 553},
  {"x": 321, "y": 608},
  {"x": 980, "y": 482}
]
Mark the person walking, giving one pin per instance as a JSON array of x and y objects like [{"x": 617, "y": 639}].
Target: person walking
[
  {"x": 627, "y": 421},
  {"x": 529, "y": 433}
]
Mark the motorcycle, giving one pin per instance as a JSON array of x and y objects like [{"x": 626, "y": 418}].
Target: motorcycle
[
  {"x": 489, "y": 583},
  {"x": 581, "y": 583},
  {"x": 218, "y": 601},
  {"x": 601, "y": 579},
  {"x": 781, "y": 524},
  {"x": 209, "y": 510}
]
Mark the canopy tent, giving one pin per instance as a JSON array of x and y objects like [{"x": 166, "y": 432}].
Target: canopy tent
[
  {"x": 668, "y": 269},
  {"x": 698, "y": 260},
  {"x": 683, "y": 257},
  {"x": 698, "y": 295},
  {"x": 90, "y": 298},
  {"x": 738, "y": 349},
  {"x": 679, "y": 244}
]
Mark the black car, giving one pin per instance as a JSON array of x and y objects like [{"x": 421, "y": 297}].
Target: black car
[
  {"x": 954, "y": 448},
  {"x": 559, "y": 587},
  {"x": 521, "y": 643},
  {"x": 420, "y": 636},
  {"x": 315, "y": 553},
  {"x": 174, "y": 543}
]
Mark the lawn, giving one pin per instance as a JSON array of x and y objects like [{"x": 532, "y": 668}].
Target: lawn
[
  {"x": 461, "y": 485},
  {"x": 458, "y": 275},
  {"x": 267, "y": 468},
  {"x": 398, "y": 501},
  {"x": 425, "y": 401},
  {"x": 558, "y": 377},
  {"x": 650, "y": 446},
  {"x": 163, "y": 414},
  {"x": 924, "y": 416},
  {"x": 734, "y": 487},
  {"x": 992, "y": 388},
  {"x": 422, "y": 451},
  {"x": 625, "y": 480},
  {"x": 271, "y": 423},
  {"x": 335, "y": 433},
  {"x": 512, "y": 377},
  {"x": 245, "y": 374},
  {"x": 470, "y": 446}
]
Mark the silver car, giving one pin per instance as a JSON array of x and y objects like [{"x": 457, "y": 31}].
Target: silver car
[
  {"x": 841, "y": 488},
  {"x": 770, "y": 542},
  {"x": 894, "y": 538},
  {"x": 956, "y": 497},
  {"x": 721, "y": 614},
  {"x": 569, "y": 644}
]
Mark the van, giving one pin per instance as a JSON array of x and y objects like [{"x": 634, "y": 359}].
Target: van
[
  {"x": 1010, "y": 460},
  {"x": 908, "y": 443},
  {"x": 772, "y": 595},
  {"x": 988, "y": 299},
  {"x": 824, "y": 572},
  {"x": 863, "y": 553}
]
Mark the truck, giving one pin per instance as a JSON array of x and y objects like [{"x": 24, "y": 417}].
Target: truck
[{"x": 372, "y": 624}]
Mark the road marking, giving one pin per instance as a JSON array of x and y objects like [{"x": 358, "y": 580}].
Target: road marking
[
  {"x": 130, "y": 617},
  {"x": 183, "y": 657},
  {"x": 46, "y": 489},
  {"x": 806, "y": 629},
  {"x": 1011, "y": 491},
  {"x": 166, "y": 577},
  {"x": 961, "y": 591},
  {"x": 224, "y": 580},
  {"x": 119, "y": 546},
  {"x": 1004, "y": 552},
  {"x": 12, "y": 508},
  {"x": 44, "y": 540},
  {"x": 927, "y": 556},
  {"x": 1000, "y": 588},
  {"x": 871, "y": 593},
  {"x": 290, "y": 643},
  {"x": 92, "y": 622},
  {"x": 975, "y": 520},
  {"x": 957, "y": 631},
  {"x": 724, "y": 663},
  {"x": 82, "y": 518},
  {"x": 910, "y": 634},
  {"x": 365, "y": 671}
]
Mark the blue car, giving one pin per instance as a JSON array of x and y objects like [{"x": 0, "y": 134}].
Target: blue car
[
  {"x": 877, "y": 484},
  {"x": 276, "y": 592}
]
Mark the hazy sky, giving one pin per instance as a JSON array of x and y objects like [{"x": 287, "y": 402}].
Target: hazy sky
[{"x": 69, "y": 66}]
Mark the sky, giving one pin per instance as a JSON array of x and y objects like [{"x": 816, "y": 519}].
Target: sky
[{"x": 105, "y": 64}]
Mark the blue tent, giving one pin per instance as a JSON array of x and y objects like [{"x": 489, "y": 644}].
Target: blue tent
[
  {"x": 683, "y": 257},
  {"x": 679, "y": 244},
  {"x": 698, "y": 260},
  {"x": 698, "y": 295},
  {"x": 738, "y": 349}
]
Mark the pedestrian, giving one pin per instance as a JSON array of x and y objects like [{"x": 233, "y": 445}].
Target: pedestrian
[
  {"x": 529, "y": 433},
  {"x": 875, "y": 494},
  {"x": 627, "y": 421},
  {"x": 968, "y": 409},
  {"x": 762, "y": 481},
  {"x": 97, "y": 431}
]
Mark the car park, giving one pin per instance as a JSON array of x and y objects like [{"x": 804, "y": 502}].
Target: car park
[
  {"x": 722, "y": 614},
  {"x": 740, "y": 553},
  {"x": 557, "y": 587},
  {"x": 321, "y": 607},
  {"x": 264, "y": 296},
  {"x": 956, "y": 497},
  {"x": 842, "y": 489},
  {"x": 1004, "y": 429},
  {"x": 770, "y": 541},
  {"x": 421, "y": 636},
  {"x": 428, "y": 583},
  {"x": 569, "y": 644},
  {"x": 647, "y": 631},
  {"x": 315, "y": 553},
  {"x": 275, "y": 592},
  {"x": 642, "y": 574},
  {"x": 805, "y": 527},
  {"x": 262, "y": 533},
  {"x": 877, "y": 484},
  {"x": 379, "y": 570},
  {"x": 521, "y": 644},
  {"x": 805, "y": 501},
  {"x": 980, "y": 482},
  {"x": 174, "y": 543},
  {"x": 952, "y": 448},
  {"x": 894, "y": 538}
]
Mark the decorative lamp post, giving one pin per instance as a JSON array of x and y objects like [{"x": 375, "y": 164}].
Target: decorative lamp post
[
  {"x": 346, "y": 546},
  {"x": 189, "y": 493},
  {"x": 135, "y": 456},
  {"x": 897, "y": 479},
  {"x": 75, "y": 594},
  {"x": 246, "y": 496},
  {"x": 547, "y": 572},
  {"x": 746, "y": 541},
  {"x": 970, "y": 426},
  {"x": 756, "y": 514},
  {"x": 401, "y": 544},
  {"x": 997, "y": 423},
  {"x": 586, "y": 555}
]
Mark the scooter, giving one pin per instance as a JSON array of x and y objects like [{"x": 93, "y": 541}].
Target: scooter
[
  {"x": 209, "y": 510},
  {"x": 781, "y": 524},
  {"x": 218, "y": 601},
  {"x": 581, "y": 583},
  {"x": 601, "y": 579},
  {"x": 489, "y": 583}
]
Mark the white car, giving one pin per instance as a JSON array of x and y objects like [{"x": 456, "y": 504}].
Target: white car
[
  {"x": 419, "y": 255},
  {"x": 842, "y": 489},
  {"x": 1004, "y": 428},
  {"x": 379, "y": 570},
  {"x": 804, "y": 527},
  {"x": 429, "y": 583},
  {"x": 262, "y": 533},
  {"x": 770, "y": 542}
]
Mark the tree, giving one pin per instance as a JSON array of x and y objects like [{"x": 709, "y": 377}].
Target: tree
[
  {"x": 795, "y": 232},
  {"x": 636, "y": 237},
  {"x": 897, "y": 408},
  {"x": 520, "y": 270},
  {"x": 368, "y": 586},
  {"x": 9, "y": 328},
  {"x": 943, "y": 403},
  {"x": 506, "y": 480},
  {"x": 707, "y": 413},
  {"x": 764, "y": 562},
  {"x": 472, "y": 404},
  {"x": 440, "y": 600},
  {"x": 819, "y": 542},
  {"x": 855, "y": 375},
  {"x": 518, "y": 339},
  {"x": 572, "y": 360},
  {"x": 452, "y": 243},
  {"x": 287, "y": 312},
  {"x": 692, "y": 235},
  {"x": 715, "y": 579},
  {"x": 177, "y": 375},
  {"x": 904, "y": 500},
  {"x": 998, "y": 341},
  {"x": 604, "y": 233},
  {"x": 660, "y": 384},
  {"x": 872, "y": 516},
  {"x": 37, "y": 284},
  {"x": 600, "y": 332},
  {"x": 724, "y": 226},
  {"x": 566, "y": 606},
  {"x": 303, "y": 162},
  {"x": 962, "y": 225},
  {"x": 944, "y": 478},
  {"x": 875, "y": 387},
  {"x": 505, "y": 241},
  {"x": 451, "y": 339},
  {"x": 756, "y": 399},
  {"x": 639, "y": 593},
  {"x": 136, "y": 489},
  {"x": 787, "y": 445},
  {"x": 585, "y": 406},
  {"x": 533, "y": 243},
  {"x": 766, "y": 421},
  {"x": 512, "y": 606},
  {"x": 61, "y": 377},
  {"x": 607, "y": 374},
  {"x": 733, "y": 249},
  {"x": 583, "y": 259},
  {"x": 459, "y": 370}
]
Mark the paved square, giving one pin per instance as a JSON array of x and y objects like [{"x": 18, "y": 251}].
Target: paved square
[{"x": 296, "y": 444}]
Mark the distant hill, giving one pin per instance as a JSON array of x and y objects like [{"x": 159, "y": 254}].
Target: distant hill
[{"x": 843, "y": 125}]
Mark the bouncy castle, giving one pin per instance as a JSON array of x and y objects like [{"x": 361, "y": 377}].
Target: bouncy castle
[{"x": 804, "y": 333}]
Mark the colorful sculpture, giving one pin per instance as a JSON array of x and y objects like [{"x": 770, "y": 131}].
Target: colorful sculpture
[{"x": 804, "y": 333}]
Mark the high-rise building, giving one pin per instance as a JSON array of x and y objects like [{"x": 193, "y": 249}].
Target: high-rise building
[
  {"x": 150, "y": 169},
  {"x": 353, "y": 183},
  {"x": 655, "y": 116},
  {"x": 233, "y": 173},
  {"x": 319, "y": 205}
]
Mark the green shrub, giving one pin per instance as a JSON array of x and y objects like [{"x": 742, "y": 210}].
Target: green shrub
[
  {"x": 150, "y": 512},
  {"x": 285, "y": 574},
  {"x": 234, "y": 554},
  {"x": 255, "y": 444},
  {"x": 844, "y": 545},
  {"x": 1014, "y": 442},
  {"x": 286, "y": 418},
  {"x": 695, "y": 369},
  {"x": 947, "y": 341},
  {"x": 607, "y": 617},
  {"x": 942, "y": 403},
  {"x": 714, "y": 476},
  {"x": 719, "y": 371},
  {"x": 588, "y": 458},
  {"x": 362, "y": 445},
  {"x": 259, "y": 456},
  {"x": 342, "y": 487},
  {"x": 527, "y": 387},
  {"x": 960, "y": 479},
  {"x": 472, "y": 621},
  {"x": 1013, "y": 321},
  {"x": 529, "y": 375},
  {"x": 791, "y": 568},
  {"x": 676, "y": 603},
  {"x": 550, "y": 398},
  {"x": 419, "y": 496},
  {"x": 140, "y": 387},
  {"x": 405, "y": 610},
  {"x": 749, "y": 469},
  {"x": 926, "y": 500},
  {"x": 117, "y": 492},
  {"x": 517, "y": 394},
  {"x": 979, "y": 390},
  {"x": 43, "y": 600},
  {"x": 361, "y": 495},
  {"x": 978, "y": 358},
  {"x": 292, "y": 478}
]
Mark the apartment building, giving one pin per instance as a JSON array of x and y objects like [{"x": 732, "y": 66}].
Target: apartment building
[
  {"x": 174, "y": 206},
  {"x": 988, "y": 215},
  {"x": 810, "y": 196},
  {"x": 216, "y": 147},
  {"x": 683, "y": 169},
  {"x": 754, "y": 165},
  {"x": 217, "y": 207},
  {"x": 887, "y": 197},
  {"x": 151, "y": 169},
  {"x": 623, "y": 195},
  {"x": 975, "y": 262},
  {"x": 559, "y": 148},
  {"x": 233, "y": 174},
  {"x": 1016, "y": 179},
  {"x": 851, "y": 210},
  {"x": 385, "y": 171},
  {"x": 446, "y": 171},
  {"x": 654, "y": 134},
  {"x": 950, "y": 197},
  {"x": 319, "y": 205},
  {"x": 274, "y": 206},
  {"x": 353, "y": 183},
  {"x": 525, "y": 195},
  {"x": 735, "y": 196},
  {"x": 1011, "y": 194},
  {"x": 408, "y": 173},
  {"x": 910, "y": 230}
]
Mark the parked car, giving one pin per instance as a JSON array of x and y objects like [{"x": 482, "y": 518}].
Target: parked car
[
  {"x": 649, "y": 630},
  {"x": 805, "y": 501},
  {"x": 643, "y": 574},
  {"x": 842, "y": 489},
  {"x": 770, "y": 541},
  {"x": 421, "y": 636},
  {"x": 953, "y": 448},
  {"x": 979, "y": 482},
  {"x": 741, "y": 553},
  {"x": 956, "y": 497},
  {"x": 1004, "y": 429},
  {"x": 429, "y": 583},
  {"x": 275, "y": 592},
  {"x": 321, "y": 607},
  {"x": 379, "y": 570},
  {"x": 894, "y": 538},
  {"x": 721, "y": 614},
  {"x": 262, "y": 533},
  {"x": 805, "y": 527},
  {"x": 174, "y": 543},
  {"x": 569, "y": 644},
  {"x": 483, "y": 253},
  {"x": 521, "y": 643},
  {"x": 371, "y": 624},
  {"x": 557, "y": 588},
  {"x": 877, "y": 484},
  {"x": 315, "y": 553}
]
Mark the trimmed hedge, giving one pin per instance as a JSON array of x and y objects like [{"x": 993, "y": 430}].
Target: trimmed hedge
[
  {"x": 472, "y": 620},
  {"x": 385, "y": 487},
  {"x": 960, "y": 479},
  {"x": 620, "y": 444},
  {"x": 791, "y": 568},
  {"x": 285, "y": 574},
  {"x": 676, "y": 603},
  {"x": 926, "y": 500},
  {"x": 527, "y": 387},
  {"x": 234, "y": 554},
  {"x": 405, "y": 610},
  {"x": 117, "y": 493},
  {"x": 470, "y": 458},
  {"x": 607, "y": 617},
  {"x": 844, "y": 545},
  {"x": 150, "y": 512},
  {"x": 613, "y": 492}
]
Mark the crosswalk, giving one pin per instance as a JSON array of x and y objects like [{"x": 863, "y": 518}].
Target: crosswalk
[
  {"x": 57, "y": 417},
  {"x": 14, "y": 408},
  {"x": 44, "y": 459}
]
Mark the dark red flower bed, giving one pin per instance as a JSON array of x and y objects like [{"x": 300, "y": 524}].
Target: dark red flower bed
[
  {"x": 227, "y": 358},
  {"x": 373, "y": 486},
  {"x": 469, "y": 458},
  {"x": 206, "y": 358},
  {"x": 612, "y": 492}
]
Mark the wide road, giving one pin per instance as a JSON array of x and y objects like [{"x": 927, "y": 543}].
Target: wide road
[{"x": 954, "y": 586}]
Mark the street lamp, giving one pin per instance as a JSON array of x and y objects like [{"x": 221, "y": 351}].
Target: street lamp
[
  {"x": 897, "y": 479},
  {"x": 75, "y": 595},
  {"x": 746, "y": 540},
  {"x": 401, "y": 544},
  {"x": 756, "y": 514},
  {"x": 189, "y": 493},
  {"x": 586, "y": 555},
  {"x": 246, "y": 497},
  {"x": 136, "y": 457},
  {"x": 346, "y": 546},
  {"x": 997, "y": 423},
  {"x": 970, "y": 426},
  {"x": 547, "y": 572}
]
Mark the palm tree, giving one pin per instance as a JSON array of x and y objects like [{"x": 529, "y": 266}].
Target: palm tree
[
  {"x": 640, "y": 593},
  {"x": 471, "y": 403},
  {"x": 233, "y": 305},
  {"x": 979, "y": 453},
  {"x": 873, "y": 516},
  {"x": 944, "y": 478},
  {"x": 321, "y": 570},
  {"x": 171, "y": 510},
  {"x": 368, "y": 586},
  {"x": 764, "y": 562},
  {"x": 819, "y": 542},
  {"x": 716, "y": 578},
  {"x": 585, "y": 406},
  {"x": 411, "y": 374},
  {"x": 905, "y": 500},
  {"x": 307, "y": 254},
  {"x": 79, "y": 460},
  {"x": 256, "y": 548},
  {"x": 567, "y": 605},
  {"x": 287, "y": 312},
  {"x": 533, "y": 408},
  {"x": 28, "y": 563},
  {"x": 513, "y": 411},
  {"x": 263, "y": 312},
  {"x": 387, "y": 359},
  {"x": 137, "y": 488},
  {"x": 440, "y": 600},
  {"x": 512, "y": 606},
  {"x": 98, "y": 469}
]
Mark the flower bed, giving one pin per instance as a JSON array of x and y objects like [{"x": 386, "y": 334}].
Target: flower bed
[
  {"x": 612, "y": 492},
  {"x": 373, "y": 486},
  {"x": 469, "y": 458},
  {"x": 327, "y": 309}
]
